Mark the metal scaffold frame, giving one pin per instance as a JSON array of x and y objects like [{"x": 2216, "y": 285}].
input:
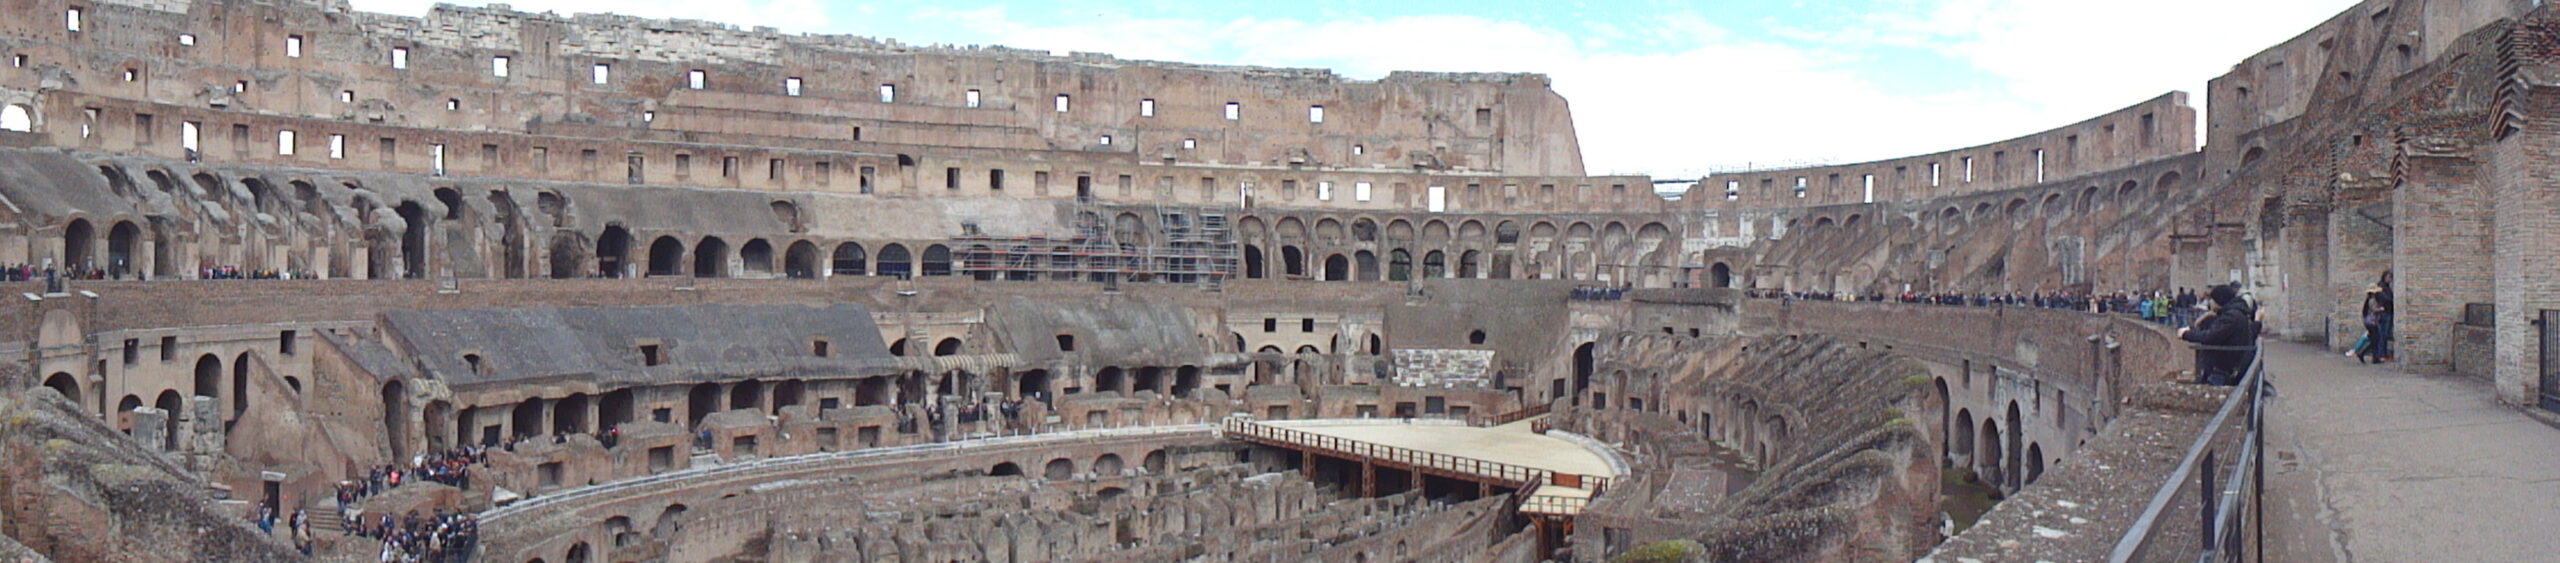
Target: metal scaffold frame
[{"x": 1183, "y": 245}]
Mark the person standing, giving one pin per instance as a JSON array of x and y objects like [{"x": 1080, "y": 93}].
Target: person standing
[
  {"x": 2378, "y": 312},
  {"x": 2229, "y": 331}
]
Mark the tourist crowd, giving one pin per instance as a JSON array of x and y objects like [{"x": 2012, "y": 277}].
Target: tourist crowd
[
  {"x": 412, "y": 538},
  {"x": 450, "y": 467},
  {"x": 2174, "y": 309},
  {"x": 1599, "y": 293},
  {"x": 239, "y": 273}
]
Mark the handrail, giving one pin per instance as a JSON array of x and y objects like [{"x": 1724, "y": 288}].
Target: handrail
[
  {"x": 1454, "y": 466},
  {"x": 2220, "y": 510},
  {"x": 1515, "y": 416}
]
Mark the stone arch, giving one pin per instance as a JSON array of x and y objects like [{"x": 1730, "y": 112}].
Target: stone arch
[
  {"x": 2035, "y": 464},
  {"x": 1435, "y": 264},
  {"x": 1108, "y": 465},
  {"x": 1365, "y": 265},
  {"x": 1293, "y": 262},
  {"x": 395, "y": 417},
  {"x": 2012, "y": 470},
  {"x": 1471, "y": 264},
  {"x": 568, "y": 255},
  {"x": 756, "y": 257},
  {"x": 669, "y": 522},
  {"x": 1110, "y": 380},
  {"x": 895, "y": 261},
  {"x": 1363, "y": 229},
  {"x": 79, "y": 243},
  {"x": 2126, "y": 193},
  {"x": 1720, "y": 275},
  {"x": 1060, "y": 469},
  {"x": 1031, "y": 382},
  {"x": 17, "y": 117},
  {"x": 240, "y": 385},
  {"x": 208, "y": 376},
  {"x": 947, "y": 347},
  {"x": 170, "y": 408},
  {"x": 936, "y": 261},
  {"x": 1960, "y": 437},
  {"x": 1986, "y": 455},
  {"x": 413, "y": 239},
  {"x": 711, "y": 258},
  {"x": 666, "y": 257},
  {"x": 800, "y": 261},
  {"x": 1399, "y": 265},
  {"x": 1337, "y": 268},
  {"x": 613, "y": 252},
  {"x": 1005, "y": 469},
  {"x": 1253, "y": 267},
  {"x": 849, "y": 260},
  {"x": 66, "y": 384},
  {"x": 124, "y": 238}
]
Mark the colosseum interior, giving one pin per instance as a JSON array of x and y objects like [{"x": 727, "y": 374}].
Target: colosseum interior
[{"x": 606, "y": 288}]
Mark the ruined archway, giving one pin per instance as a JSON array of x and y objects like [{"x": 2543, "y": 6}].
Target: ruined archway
[
  {"x": 122, "y": 240},
  {"x": 711, "y": 258},
  {"x": 849, "y": 260},
  {"x": 79, "y": 239},
  {"x": 413, "y": 239},
  {"x": 800, "y": 261},
  {"x": 666, "y": 257},
  {"x": 613, "y": 252},
  {"x": 64, "y": 383},
  {"x": 395, "y": 417},
  {"x": 756, "y": 258},
  {"x": 895, "y": 262},
  {"x": 16, "y": 117}
]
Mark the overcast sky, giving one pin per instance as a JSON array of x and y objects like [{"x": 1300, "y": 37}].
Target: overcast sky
[{"x": 1668, "y": 88}]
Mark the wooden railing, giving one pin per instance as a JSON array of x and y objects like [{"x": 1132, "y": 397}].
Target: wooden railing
[
  {"x": 1419, "y": 461},
  {"x": 1554, "y": 505},
  {"x": 1515, "y": 416}
]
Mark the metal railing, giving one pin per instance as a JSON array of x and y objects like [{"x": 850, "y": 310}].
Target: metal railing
[
  {"x": 2209, "y": 509},
  {"x": 1504, "y": 474}
]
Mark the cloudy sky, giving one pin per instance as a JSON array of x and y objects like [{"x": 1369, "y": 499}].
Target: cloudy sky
[{"x": 1668, "y": 88}]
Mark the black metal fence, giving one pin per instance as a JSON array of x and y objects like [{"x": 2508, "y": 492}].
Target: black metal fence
[{"x": 2209, "y": 509}]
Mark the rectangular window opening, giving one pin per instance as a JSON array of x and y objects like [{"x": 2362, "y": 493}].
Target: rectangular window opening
[
  {"x": 791, "y": 86},
  {"x": 1235, "y": 111},
  {"x": 1315, "y": 114},
  {"x": 284, "y": 143},
  {"x": 399, "y": 58},
  {"x": 888, "y": 93},
  {"x": 971, "y": 98},
  {"x": 602, "y": 74},
  {"x": 293, "y": 46},
  {"x": 1062, "y": 103},
  {"x": 498, "y": 66},
  {"x": 1147, "y": 107},
  {"x": 695, "y": 79},
  {"x": 337, "y": 146}
]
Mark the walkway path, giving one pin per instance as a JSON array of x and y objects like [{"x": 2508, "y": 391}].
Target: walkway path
[
  {"x": 1510, "y": 443},
  {"x": 2372, "y": 463}
]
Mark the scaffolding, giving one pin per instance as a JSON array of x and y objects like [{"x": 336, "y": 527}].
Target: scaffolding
[{"x": 1183, "y": 245}]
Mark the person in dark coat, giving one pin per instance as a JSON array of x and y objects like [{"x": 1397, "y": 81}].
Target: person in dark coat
[
  {"x": 2233, "y": 323},
  {"x": 2378, "y": 314}
]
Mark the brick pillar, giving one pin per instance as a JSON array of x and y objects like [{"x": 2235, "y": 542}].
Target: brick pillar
[{"x": 2442, "y": 253}]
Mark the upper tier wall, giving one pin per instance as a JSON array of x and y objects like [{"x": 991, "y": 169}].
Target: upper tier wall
[
  {"x": 443, "y": 71},
  {"x": 2377, "y": 40},
  {"x": 2159, "y": 128}
]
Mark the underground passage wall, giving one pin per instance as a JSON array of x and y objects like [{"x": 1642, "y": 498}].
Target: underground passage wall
[{"x": 1812, "y": 430}]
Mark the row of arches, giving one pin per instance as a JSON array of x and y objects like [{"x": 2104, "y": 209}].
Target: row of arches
[
  {"x": 1995, "y": 448},
  {"x": 712, "y": 257}
]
